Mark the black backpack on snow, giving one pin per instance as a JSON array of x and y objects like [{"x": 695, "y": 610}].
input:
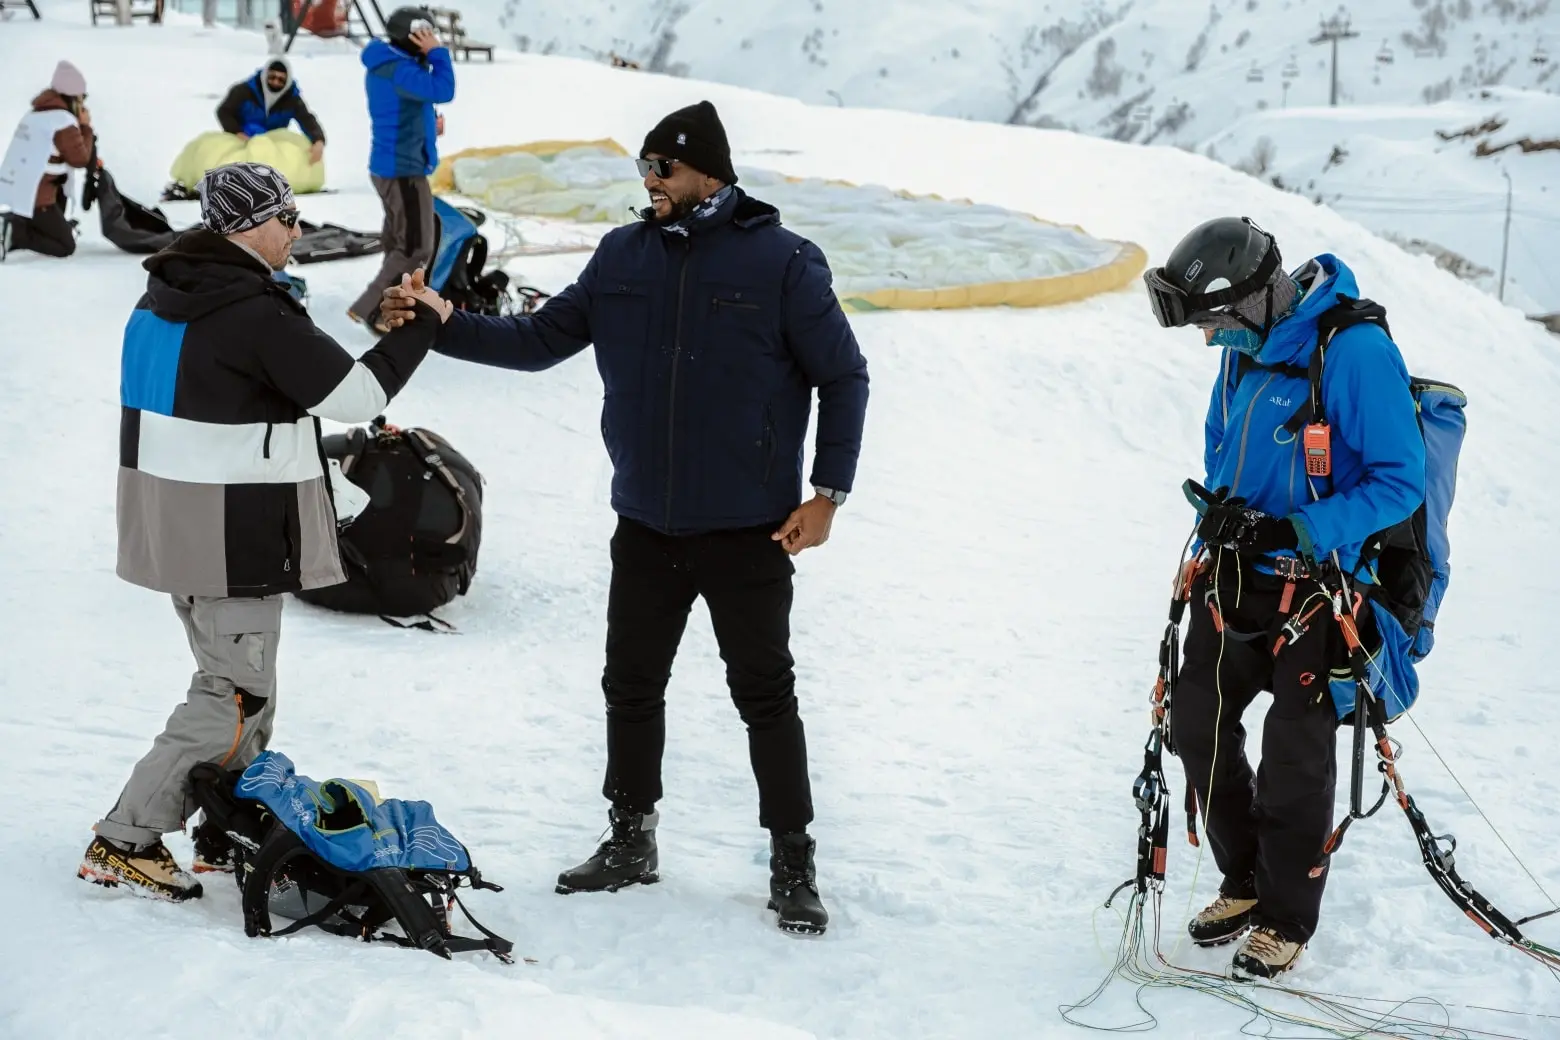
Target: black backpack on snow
[
  {"x": 277, "y": 873},
  {"x": 413, "y": 548}
]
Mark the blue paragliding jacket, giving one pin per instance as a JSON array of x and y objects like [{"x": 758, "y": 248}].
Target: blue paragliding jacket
[
  {"x": 347, "y": 824},
  {"x": 1378, "y": 452},
  {"x": 402, "y": 90}
]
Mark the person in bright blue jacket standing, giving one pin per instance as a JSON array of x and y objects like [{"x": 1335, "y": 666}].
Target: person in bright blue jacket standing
[
  {"x": 712, "y": 325},
  {"x": 406, "y": 77},
  {"x": 1273, "y": 527}
]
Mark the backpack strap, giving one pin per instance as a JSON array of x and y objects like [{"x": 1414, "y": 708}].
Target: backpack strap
[
  {"x": 1348, "y": 313},
  {"x": 434, "y": 461}
]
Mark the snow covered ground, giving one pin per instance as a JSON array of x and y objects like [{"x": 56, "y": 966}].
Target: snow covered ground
[{"x": 975, "y": 643}]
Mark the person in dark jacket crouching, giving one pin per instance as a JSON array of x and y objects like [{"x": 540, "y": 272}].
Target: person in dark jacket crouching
[
  {"x": 270, "y": 100},
  {"x": 224, "y": 501},
  {"x": 712, "y": 325}
]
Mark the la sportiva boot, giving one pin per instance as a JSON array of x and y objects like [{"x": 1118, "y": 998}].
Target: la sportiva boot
[
  {"x": 150, "y": 871},
  {"x": 213, "y": 849},
  {"x": 793, "y": 885},
  {"x": 627, "y": 857},
  {"x": 1222, "y": 921},
  {"x": 1264, "y": 954}
]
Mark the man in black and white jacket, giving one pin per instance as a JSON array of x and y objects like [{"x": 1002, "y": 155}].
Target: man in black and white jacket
[{"x": 224, "y": 497}]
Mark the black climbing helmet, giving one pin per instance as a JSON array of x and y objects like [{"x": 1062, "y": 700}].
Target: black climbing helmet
[
  {"x": 1218, "y": 264},
  {"x": 403, "y": 22}
]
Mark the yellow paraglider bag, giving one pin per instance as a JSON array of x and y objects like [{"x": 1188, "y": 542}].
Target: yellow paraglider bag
[{"x": 286, "y": 151}]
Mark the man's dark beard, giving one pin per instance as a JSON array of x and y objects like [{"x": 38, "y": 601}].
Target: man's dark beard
[{"x": 680, "y": 208}]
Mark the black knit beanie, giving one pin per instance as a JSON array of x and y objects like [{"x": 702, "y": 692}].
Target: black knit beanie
[{"x": 694, "y": 135}]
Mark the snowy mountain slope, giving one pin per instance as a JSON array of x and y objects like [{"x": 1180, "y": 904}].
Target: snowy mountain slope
[
  {"x": 974, "y": 644},
  {"x": 1429, "y": 173},
  {"x": 1172, "y": 71},
  {"x": 1178, "y": 72}
]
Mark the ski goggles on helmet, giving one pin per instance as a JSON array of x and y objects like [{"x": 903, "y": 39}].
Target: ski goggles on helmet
[
  {"x": 662, "y": 167},
  {"x": 419, "y": 25},
  {"x": 1173, "y": 307}
]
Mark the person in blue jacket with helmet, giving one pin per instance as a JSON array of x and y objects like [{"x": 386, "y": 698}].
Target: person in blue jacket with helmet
[
  {"x": 1270, "y": 530},
  {"x": 406, "y": 77}
]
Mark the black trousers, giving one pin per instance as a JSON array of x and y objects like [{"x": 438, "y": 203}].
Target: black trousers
[
  {"x": 1266, "y": 829},
  {"x": 48, "y": 232},
  {"x": 745, "y": 579}
]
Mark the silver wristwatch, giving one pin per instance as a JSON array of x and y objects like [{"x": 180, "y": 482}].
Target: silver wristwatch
[{"x": 837, "y": 497}]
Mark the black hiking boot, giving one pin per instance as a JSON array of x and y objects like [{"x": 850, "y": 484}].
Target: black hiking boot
[
  {"x": 626, "y": 858},
  {"x": 793, "y": 885}
]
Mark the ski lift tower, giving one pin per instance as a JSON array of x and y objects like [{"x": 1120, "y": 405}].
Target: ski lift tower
[{"x": 1334, "y": 29}]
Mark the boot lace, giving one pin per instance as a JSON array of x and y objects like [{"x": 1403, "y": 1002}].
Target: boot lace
[
  {"x": 1223, "y": 906},
  {"x": 795, "y": 872},
  {"x": 1267, "y": 945}
]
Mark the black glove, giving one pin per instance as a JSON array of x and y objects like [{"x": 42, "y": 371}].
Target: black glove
[{"x": 1230, "y": 524}]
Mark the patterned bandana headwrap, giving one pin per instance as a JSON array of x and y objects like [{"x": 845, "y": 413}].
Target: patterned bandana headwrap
[
  {"x": 241, "y": 196},
  {"x": 703, "y": 211}
]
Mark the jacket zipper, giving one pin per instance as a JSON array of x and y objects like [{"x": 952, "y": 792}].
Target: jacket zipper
[
  {"x": 671, "y": 406},
  {"x": 1245, "y": 428},
  {"x": 717, "y": 303}
]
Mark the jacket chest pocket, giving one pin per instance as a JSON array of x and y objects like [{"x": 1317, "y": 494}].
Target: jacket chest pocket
[
  {"x": 620, "y": 327},
  {"x": 742, "y": 339},
  {"x": 739, "y": 307}
]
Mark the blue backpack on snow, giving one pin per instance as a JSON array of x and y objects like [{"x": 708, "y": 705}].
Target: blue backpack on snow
[{"x": 335, "y": 855}]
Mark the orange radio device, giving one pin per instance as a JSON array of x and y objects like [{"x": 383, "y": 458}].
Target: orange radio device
[{"x": 1317, "y": 446}]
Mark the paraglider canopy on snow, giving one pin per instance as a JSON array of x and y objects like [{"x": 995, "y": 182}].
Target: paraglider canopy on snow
[{"x": 887, "y": 249}]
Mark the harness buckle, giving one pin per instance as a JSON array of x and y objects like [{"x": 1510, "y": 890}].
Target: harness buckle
[{"x": 1291, "y": 568}]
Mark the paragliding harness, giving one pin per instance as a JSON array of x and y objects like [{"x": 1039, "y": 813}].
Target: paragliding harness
[
  {"x": 457, "y": 273},
  {"x": 1410, "y": 564},
  {"x": 278, "y": 871},
  {"x": 413, "y": 547}
]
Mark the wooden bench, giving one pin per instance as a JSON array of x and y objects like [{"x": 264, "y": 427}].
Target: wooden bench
[
  {"x": 151, "y": 10},
  {"x": 446, "y": 22}
]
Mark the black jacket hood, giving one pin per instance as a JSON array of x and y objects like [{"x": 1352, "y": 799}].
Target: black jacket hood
[{"x": 201, "y": 272}]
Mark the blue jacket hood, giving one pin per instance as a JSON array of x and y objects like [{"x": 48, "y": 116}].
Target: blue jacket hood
[
  {"x": 1293, "y": 339},
  {"x": 379, "y": 52}
]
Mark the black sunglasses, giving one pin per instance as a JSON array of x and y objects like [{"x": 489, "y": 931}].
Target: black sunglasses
[
  {"x": 662, "y": 167},
  {"x": 288, "y": 217}
]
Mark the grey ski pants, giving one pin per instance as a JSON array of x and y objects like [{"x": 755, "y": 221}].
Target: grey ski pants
[
  {"x": 408, "y": 237},
  {"x": 226, "y": 717}
]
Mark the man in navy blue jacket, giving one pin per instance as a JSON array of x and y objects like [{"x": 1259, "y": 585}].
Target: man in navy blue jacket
[
  {"x": 712, "y": 325},
  {"x": 405, "y": 78}
]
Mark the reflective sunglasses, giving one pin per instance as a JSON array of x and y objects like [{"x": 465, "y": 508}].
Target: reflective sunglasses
[
  {"x": 662, "y": 167},
  {"x": 288, "y": 217}
]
